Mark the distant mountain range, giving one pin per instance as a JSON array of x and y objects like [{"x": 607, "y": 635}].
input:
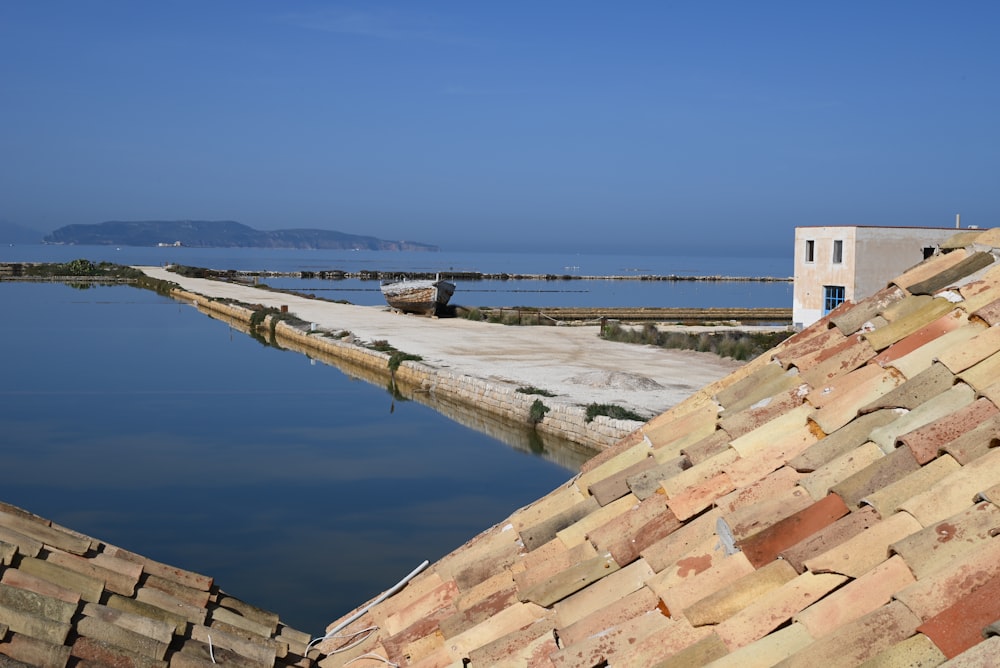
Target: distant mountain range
[
  {"x": 12, "y": 233},
  {"x": 218, "y": 234}
]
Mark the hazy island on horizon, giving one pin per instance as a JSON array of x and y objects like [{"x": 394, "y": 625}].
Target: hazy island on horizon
[{"x": 218, "y": 234}]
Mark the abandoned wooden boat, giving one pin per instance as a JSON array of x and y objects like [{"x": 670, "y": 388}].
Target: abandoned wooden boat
[{"x": 423, "y": 296}]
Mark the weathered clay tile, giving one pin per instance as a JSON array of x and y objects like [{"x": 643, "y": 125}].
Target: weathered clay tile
[
  {"x": 915, "y": 391},
  {"x": 158, "y": 630},
  {"x": 896, "y": 330},
  {"x": 961, "y": 239},
  {"x": 24, "y": 580},
  {"x": 953, "y": 399},
  {"x": 955, "y": 491},
  {"x": 700, "y": 653},
  {"x": 25, "y": 544},
  {"x": 982, "y": 374},
  {"x": 554, "y": 503},
  {"x": 926, "y": 442},
  {"x": 89, "y": 588},
  {"x": 783, "y": 480},
  {"x": 959, "y": 626},
  {"x": 748, "y": 520},
  {"x": 921, "y": 359},
  {"x": 862, "y": 552},
  {"x": 576, "y": 533},
  {"x": 923, "y": 336},
  {"x": 23, "y": 650},
  {"x": 975, "y": 443},
  {"x": 855, "y": 643},
  {"x": 988, "y": 313},
  {"x": 830, "y": 537},
  {"x": 601, "y": 594},
  {"x": 850, "y": 321},
  {"x": 771, "y": 408},
  {"x": 840, "y": 402},
  {"x": 96, "y": 652},
  {"x": 539, "y": 534},
  {"x": 682, "y": 430},
  {"x": 247, "y": 650},
  {"x": 528, "y": 646},
  {"x": 850, "y": 355},
  {"x": 888, "y": 499},
  {"x": 668, "y": 550},
  {"x": 934, "y": 547},
  {"x": 766, "y": 382},
  {"x": 113, "y": 581},
  {"x": 693, "y": 500},
  {"x": 729, "y": 600},
  {"x": 977, "y": 656},
  {"x": 635, "y": 530},
  {"x": 761, "y": 438},
  {"x": 682, "y": 588},
  {"x": 931, "y": 594},
  {"x": 645, "y": 484},
  {"x": 932, "y": 266},
  {"x": 659, "y": 647},
  {"x": 850, "y": 437},
  {"x": 496, "y": 548},
  {"x": 552, "y": 558},
  {"x": 982, "y": 290},
  {"x": 775, "y": 607},
  {"x": 165, "y": 571},
  {"x": 760, "y": 462},
  {"x": 803, "y": 351},
  {"x": 616, "y": 485},
  {"x": 698, "y": 473},
  {"x": 623, "y": 460},
  {"x": 821, "y": 481},
  {"x": 766, "y": 652},
  {"x": 569, "y": 581},
  {"x": 39, "y": 605},
  {"x": 617, "y": 612},
  {"x": 952, "y": 276},
  {"x": 917, "y": 650},
  {"x": 44, "y": 532},
  {"x": 508, "y": 620},
  {"x": 611, "y": 642},
  {"x": 881, "y": 472},
  {"x": 856, "y": 599},
  {"x": 765, "y": 546},
  {"x": 707, "y": 447}
]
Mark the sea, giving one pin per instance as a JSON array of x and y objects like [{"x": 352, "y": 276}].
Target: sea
[{"x": 298, "y": 485}]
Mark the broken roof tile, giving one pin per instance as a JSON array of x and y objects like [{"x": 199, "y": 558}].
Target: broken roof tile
[
  {"x": 862, "y": 552},
  {"x": 888, "y": 499},
  {"x": 765, "y": 546},
  {"x": 857, "y": 598},
  {"x": 926, "y": 442}
]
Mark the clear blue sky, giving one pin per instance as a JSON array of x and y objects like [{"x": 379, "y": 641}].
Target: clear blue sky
[{"x": 634, "y": 126}]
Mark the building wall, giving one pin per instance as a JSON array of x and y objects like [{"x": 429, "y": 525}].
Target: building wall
[{"x": 872, "y": 256}]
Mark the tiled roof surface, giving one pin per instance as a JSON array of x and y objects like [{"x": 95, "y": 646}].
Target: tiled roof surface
[
  {"x": 69, "y": 600},
  {"x": 835, "y": 502}
]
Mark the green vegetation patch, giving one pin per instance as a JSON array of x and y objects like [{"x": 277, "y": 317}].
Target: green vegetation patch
[
  {"x": 736, "y": 344},
  {"x": 537, "y": 411},
  {"x": 612, "y": 411},
  {"x": 531, "y": 389}
]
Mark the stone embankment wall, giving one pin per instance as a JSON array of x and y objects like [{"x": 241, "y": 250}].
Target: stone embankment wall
[{"x": 564, "y": 420}]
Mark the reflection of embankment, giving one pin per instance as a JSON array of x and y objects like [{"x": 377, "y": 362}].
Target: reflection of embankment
[{"x": 521, "y": 437}]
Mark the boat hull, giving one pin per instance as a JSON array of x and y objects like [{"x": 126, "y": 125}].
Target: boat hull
[{"x": 423, "y": 297}]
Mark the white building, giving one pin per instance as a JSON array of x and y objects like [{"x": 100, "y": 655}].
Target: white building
[{"x": 833, "y": 264}]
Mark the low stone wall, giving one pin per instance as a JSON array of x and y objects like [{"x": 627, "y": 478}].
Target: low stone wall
[{"x": 563, "y": 420}]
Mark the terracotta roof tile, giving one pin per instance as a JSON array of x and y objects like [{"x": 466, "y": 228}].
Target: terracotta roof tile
[
  {"x": 698, "y": 654},
  {"x": 981, "y": 291},
  {"x": 881, "y": 472},
  {"x": 693, "y": 581},
  {"x": 601, "y": 594},
  {"x": 804, "y": 350},
  {"x": 926, "y": 442},
  {"x": 931, "y": 549},
  {"x": 24, "y": 650},
  {"x": 840, "y": 402},
  {"x": 888, "y": 499},
  {"x": 852, "y": 436},
  {"x": 620, "y": 462},
  {"x": 695, "y": 499},
  {"x": 830, "y": 537},
  {"x": 977, "y": 656},
  {"x": 858, "y": 598},
  {"x": 684, "y": 429},
  {"x": 707, "y": 447},
  {"x": 539, "y": 534},
  {"x": 975, "y": 443},
  {"x": 647, "y": 482},
  {"x": 622, "y": 609},
  {"x": 852, "y": 354},
  {"x": 821, "y": 481},
  {"x": 866, "y": 550},
  {"x": 959, "y": 626},
  {"x": 765, "y": 546},
  {"x": 611, "y": 642},
  {"x": 768, "y": 651},
  {"x": 734, "y": 597},
  {"x": 616, "y": 486},
  {"x": 635, "y": 530},
  {"x": 955, "y": 491},
  {"x": 954, "y": 398},
  {"x": 923, "y": 336},
  {"x": 916, "y": 390},
  {"x": 922, "y": 358},
  {"x": 954, "y": 275},
  {"x": 570, "y": 580},
  {"x": 749, "y": 520},
  {"x": 988, "y": 313},
  {"x": 933, "y": 266},
  {"x": 982, "y": 374},
  {"x": 933, "y": 593},
  {"x": 661, "y": 646},
  {"x": 766, "y": 382},
  {"x": 552, "y": 558},
  {"x": 917, "y": 650},
  {"x": 853, "y": 320},
  {"x": 767, "y": 409},
  {"x": 898, "y": 329},
  {"x": 695, "y": 532}
]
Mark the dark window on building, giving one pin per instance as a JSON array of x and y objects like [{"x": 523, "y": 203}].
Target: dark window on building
[
  {"x": 838, "y": 251},
  {"x": 810, "y": 250},
  {"x": 833, "y": 296}
]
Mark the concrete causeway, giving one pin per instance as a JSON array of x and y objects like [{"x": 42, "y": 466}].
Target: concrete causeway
[{"x": 572, "y": 362}]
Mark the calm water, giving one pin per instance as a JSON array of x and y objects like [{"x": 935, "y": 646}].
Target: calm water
[
  {"x": 476, "y": 293},
  {"x": 141, "y": 421}
]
